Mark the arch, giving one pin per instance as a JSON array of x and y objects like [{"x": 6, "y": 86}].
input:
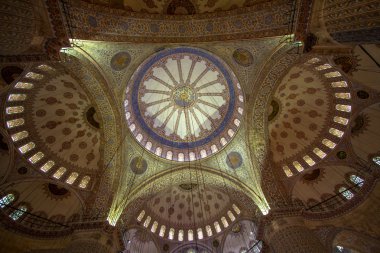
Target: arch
[
  {"x": 242, "y": 235},
  {"x": 136, "y": 239},
  {"x": 198, "y": 247},
  {"x": 95, "y": 83},
  {"x": 185, "y": 175}
]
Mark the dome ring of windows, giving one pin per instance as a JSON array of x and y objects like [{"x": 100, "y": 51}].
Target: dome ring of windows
[{"x": 183, "y": 104}]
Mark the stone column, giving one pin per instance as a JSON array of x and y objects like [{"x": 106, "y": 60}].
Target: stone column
[
  {"x": 292, "y": 236},
  {"x": 356, "y": 21}
]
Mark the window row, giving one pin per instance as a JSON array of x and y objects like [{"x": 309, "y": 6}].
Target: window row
[
  {"x": 337, "y": 119},
  {"x": 190, "y": 233},
  {"x": 35, "y": 158},
  {"x": 7, "y": 200}
]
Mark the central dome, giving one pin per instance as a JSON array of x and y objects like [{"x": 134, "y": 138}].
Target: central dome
[{"x": 183, "y": 104}]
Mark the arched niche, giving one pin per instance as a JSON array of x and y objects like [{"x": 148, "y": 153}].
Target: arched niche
[
  {"x": 242, "y": 236},
  {"x": 139, "y": 240}
]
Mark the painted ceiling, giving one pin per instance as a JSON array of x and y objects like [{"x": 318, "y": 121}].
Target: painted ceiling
[
  {"x": 184, "y": 104},
  {"x": 176, "y": 7}
]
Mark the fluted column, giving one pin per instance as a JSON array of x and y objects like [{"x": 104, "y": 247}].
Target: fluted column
[
  {"x": 291, "y": 236},
  {"x": 354, "y": 21}
]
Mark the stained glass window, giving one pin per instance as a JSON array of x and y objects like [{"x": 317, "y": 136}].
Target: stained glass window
[
  {"x": 158, "y": 151},
  {"x": 346, "y": 193},
  {"x": 298, "y": 166},
  {"x": 357, "y": 180},
  {"x": 141, "y": 215},
  {"x": 19, "y": 136},
  {"x": 192, "y": 156},
  {"x": 217, "y": 227},
  {"x": 343, "y": 108},
  {"x": 309, "y": 160},
  {"x": 15, "y": 123},
  {"x": 376, "y": 159},
  {"x": 162, "y": 231},
  {"x": 154, "y": 227},
  {"x": 180, "y": 235},
  {"x": 340, "y": 120},
  {"x": 14, "y": 109},
  {"x": 332, "y": 74},
  {"x": 36, "y": 157},
  {"x": 231, "y": 215},
  {"x": 22, "y": 85},
  {"x": 7, "y": 200},
  {"x": 287, "y": 171},
  {"x": 208, "y": 230},
  {"x": 171, "y": 233},
  {"x": 200, "y": 233},
  {"x": 44, "y": 67},
  {"x": 27, "y": 147},
  {"x": 323, "y": 67},
  {"x": 236, "y": 209},
  {"x": 224, "y": 222},
  {"x": 339, "y": 84},
  {"x": 16, "y": 214},
  {"x": 336, "y": 132},
  {"x": 84, "y": 182},
  {"x": 33, "y": 75},
  {"x": 190, "y": 235},
  {"x": 319, "y": 153},
  {"x": 147, "y": 221},
  {"x": 328, "y": 143},
  {"x": 16, "y": 97},
  {"x": 73, "y": 176},
  {"x": 343, "y": 95},
  {"x": 214, "y": 148},
  {"x": 148, "y": 145},
  {"x": 58, "y": 174},
  {"x": 47, "y": 166}
]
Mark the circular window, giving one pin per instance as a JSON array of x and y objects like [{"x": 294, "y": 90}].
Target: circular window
[{"x": 183, "y": 104}]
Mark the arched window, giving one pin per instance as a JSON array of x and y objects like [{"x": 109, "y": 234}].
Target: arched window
[
  {"x": 141, "y": 215},
  {"x": 180, "y": 235},
  {"x": 236, "y": 209},
  {"x": 224, "y": 222},
  {"x": 84, "y": 182},
  {"x": 154, "y": 227},
  {"x": 217, "y": 227},
  {"x": 16, "y": 214},
  {"x": 357, "y": 180},
  {"x": 162, "y": 231},
  {"x": 7, "y": 200},
  {"x": 73, "y": 176},
  {"x": 171, "y": 233},
  {"x": 200, "y": 233},
  {"x": 208, "y": 230},
  {"x": 231, "y": 215},
  {"x": 147, "y": 221},
  {"x": 347, "y": 194},
  {"x": 376, "y": 159},
  {"x": 190, "y": 235}
]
